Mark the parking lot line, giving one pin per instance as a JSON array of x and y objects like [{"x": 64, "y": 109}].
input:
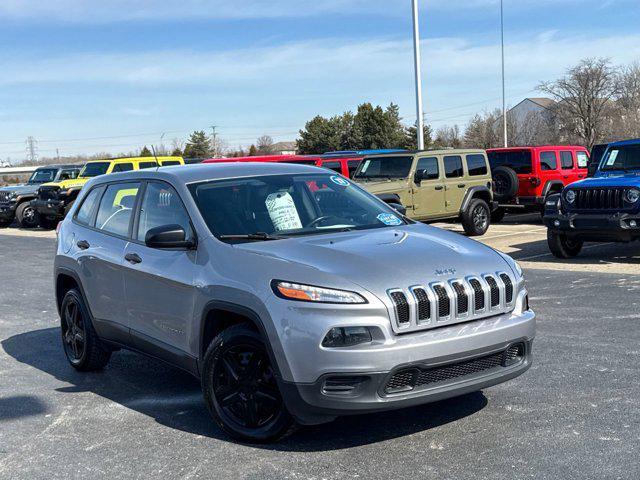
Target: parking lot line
[
  {"x": 549, "y": 254},
  {"x": 538, "y": 230}
]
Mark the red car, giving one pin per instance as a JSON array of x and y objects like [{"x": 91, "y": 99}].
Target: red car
[
  {"x": 524, "y": 176},
  {"x": 343, "y": 165}
]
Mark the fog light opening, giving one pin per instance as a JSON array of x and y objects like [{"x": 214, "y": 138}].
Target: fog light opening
[
  {"x": 633, "y": 224},
  {"x": 346, "y": 337},
  {"x": 556, "y": 223}
]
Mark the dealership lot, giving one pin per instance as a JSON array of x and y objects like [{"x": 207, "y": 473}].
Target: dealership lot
[{"x": 575, "y": 414}]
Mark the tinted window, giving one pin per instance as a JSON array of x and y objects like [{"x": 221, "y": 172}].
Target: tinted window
[
  {"x": 566, "y": 160},
  {"x": 144, "y": 165},
  {"x": 453, "y": 166},
  {"x": 94, "y": 169},
  {"x": 85, "y": 213},
  {"x": 300, "y": 162},
  {"x": 583, "y": 159},
  {"x": 122, "y": 167},
  {"x": 162, "y": 206},
  {"x": 476, "y": 165},
  {"x": 353, "y": 166},
  {"x": 69, "y": 174},
  {"x": 169, "y": 163},
  {"x": 335, "y": 166},
  {"x": 597, "y": 152},
  {"x": 518, "y": 160},
  {"x": 622, "y": 158},
  {"x": 43, "y": 175},
  {"x": 548, "y": 161},
  {"x": 116, "y": 207},
  {"x": 430, "y": 164},
  {"x": 384, "y": 167}
]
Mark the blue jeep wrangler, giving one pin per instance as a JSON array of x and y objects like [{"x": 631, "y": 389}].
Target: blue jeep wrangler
[{"x": 604, "y": 208}]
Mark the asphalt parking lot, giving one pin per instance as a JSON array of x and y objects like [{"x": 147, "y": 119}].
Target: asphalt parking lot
[{"x": 574, "y": 414}]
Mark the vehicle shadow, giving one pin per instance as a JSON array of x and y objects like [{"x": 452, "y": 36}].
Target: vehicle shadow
[
  {"x": 537, "y": 251},
  {"x": 173, "y": 398},
  {"x": 20, "y": 406}
]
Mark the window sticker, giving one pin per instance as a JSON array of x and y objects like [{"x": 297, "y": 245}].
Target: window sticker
[
  {"x": 365, "y": 166},
  {"x": 339, "y": 181},
  {"x": 612, "y": 157},
  {"x": 389, "y": 219},
  {"x": 282, "y": 211},
  {"x": 583, "y": 160}
]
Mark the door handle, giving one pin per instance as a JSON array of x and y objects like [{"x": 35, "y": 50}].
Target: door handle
[
  {"x": 133, "y": 258},
  {"x": 83, "y": 244},
  {"x": 439, "y": 187},
  {"x": 462, "y": 185}
]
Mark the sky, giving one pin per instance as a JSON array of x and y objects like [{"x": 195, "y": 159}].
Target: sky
[{"x": 90, "y": 76}]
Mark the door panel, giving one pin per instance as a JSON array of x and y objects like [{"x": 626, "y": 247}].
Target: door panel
[
  {"x": 429, "y": 195},
  {"x": 550, "y": 169},
  {"x": 455, "y": 183}
]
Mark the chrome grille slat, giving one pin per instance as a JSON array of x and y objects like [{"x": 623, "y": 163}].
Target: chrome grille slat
[{"x": 422, "y": 307}]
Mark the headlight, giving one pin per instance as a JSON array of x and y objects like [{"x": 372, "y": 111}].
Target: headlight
[
  {"x": 310, "y": 293},
  {"x": 518, "y": 269},
  {"x": 632, "y": 195},
  {"x": 570, "y": 196},
  {"x": 515, "y": 266}
]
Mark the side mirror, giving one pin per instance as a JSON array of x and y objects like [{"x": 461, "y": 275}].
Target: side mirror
[
  {"x": 168, "y": 236},
  {"x": 419, "y": 176},
  {"x": 401, "y": 209}
]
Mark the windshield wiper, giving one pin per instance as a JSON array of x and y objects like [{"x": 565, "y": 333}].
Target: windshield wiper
[{"x": 258, "y": 236}]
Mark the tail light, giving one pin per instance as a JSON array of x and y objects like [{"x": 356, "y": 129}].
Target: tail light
[{"x": 58, "y": 228}]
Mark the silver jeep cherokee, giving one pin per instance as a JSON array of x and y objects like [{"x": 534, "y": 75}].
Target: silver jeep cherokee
[{"x": 291, "y": 293}]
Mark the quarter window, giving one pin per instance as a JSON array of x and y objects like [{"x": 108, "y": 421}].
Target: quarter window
[
  {"x": 335, "y": 166},
  {"x": 453, "y": 166},
  {"x": 116, "y": 208},
  {"x": 170, "y": 163},
  {"x": 85, "y": 213},
  {"x": 144, "y": 165},
  {"x": 122, "y": 167},
  {"x": 566, "y": 160},
  {"x": 476, "y": 165},
  {"x": 162, "y": 206},
  {"x": 548, "y": 161}
]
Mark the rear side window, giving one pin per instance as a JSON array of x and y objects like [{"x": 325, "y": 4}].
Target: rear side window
[
  {"x": 85, "y": 213},
  {"x": 170, "y": 163},
  {"x": 548, "y": 161},
  {"x": 116, "y": 208},
  {"x": 476, "y": 165},
  {"x": 453, "y": 166},
  {"x": 69, "y": 174},
  {"x": 430, "y": 166},
  {"x": 122, "y": 167},
  {"x": 144, "y": 165},
  {"x": 566, "y": 160},
  {"x": 335, "y": 166},
  {"x": 162, "y": 206},
  {"x": 518, "y": 160},
  {"x": 583, "y": 159}
]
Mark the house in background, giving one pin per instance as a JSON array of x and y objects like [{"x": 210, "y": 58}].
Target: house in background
[
  {"x": 530, "y": 106},
  {"x": 284, "y": 148}
]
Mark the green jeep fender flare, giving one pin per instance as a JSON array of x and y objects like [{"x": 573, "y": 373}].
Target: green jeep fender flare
[{"x": 479, "y": 191}]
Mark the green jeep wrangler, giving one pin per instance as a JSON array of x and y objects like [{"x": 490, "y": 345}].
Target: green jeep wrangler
[{"x": 433, "y": 185}]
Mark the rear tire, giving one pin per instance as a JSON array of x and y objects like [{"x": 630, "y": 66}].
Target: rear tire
[
  {"x": 476, "y": 218},
  {"x": 563, "y": 247},
  {"x": 26, "y": 215},
  {"x": 240, "y": 387},
  {"x": 498, "y": 215},
  {"x": 84, "y": 350}
]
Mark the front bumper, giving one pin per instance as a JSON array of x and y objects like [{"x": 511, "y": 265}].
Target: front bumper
[
  {"x": 616, "y": 227},
  {"x": 7, "y": 210},
  {"x": 453, "y": 348},
  {"x": 50, "y": 208}
]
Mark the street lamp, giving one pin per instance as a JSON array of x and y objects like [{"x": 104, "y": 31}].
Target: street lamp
[
  {"x": 504, "y": 98},
  {"x": 417, "y": 64}
]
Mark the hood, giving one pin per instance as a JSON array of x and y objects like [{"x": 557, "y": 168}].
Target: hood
[
  {"x": 384, "y": 186},
  {"x": 612, "y": 179},
  {"x": 66, "y": 184},
  {"x": 378, "y": 260},
  {"x": 21, "y": 189}
]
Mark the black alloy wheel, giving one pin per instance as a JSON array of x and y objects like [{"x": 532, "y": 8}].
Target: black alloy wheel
[
  {"x": 73, "y": 332},
  {"x": 480, "y": 218}
]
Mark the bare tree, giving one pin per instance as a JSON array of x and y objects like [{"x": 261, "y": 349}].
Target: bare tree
[
  {"x": 264, "y": 145},
  {"x": 482, "y": 130},
  {"x": 627, "y": 118},
  {"x": 448, "y": 137},
  {"x": 584, "y": 100}
]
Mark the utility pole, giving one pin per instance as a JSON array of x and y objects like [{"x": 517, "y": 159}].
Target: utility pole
[
  {"x": 504, "y": 97},
  {"x": 57, "y": 155},
  {"x": 32, "y": 149},
  {"x": 214, "y": 140},
  {"x": 417, "y": 64}
]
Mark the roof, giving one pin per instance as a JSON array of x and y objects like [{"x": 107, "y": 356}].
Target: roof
[
  {"x": 443, "y": 151},
  {"x": 635, "y": 141},
  {"x": 284, "y": 146},
  {"x": 61, "y": 165},
  {"x": 220, "y": 171},
  {"x": 542, "y": 101},
  {"x": 360, "y": 153},
  {"x": 532, "y": 147},
  {"x": 263, "y": 158}
]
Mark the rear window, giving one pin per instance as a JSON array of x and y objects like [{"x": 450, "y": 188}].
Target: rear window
[
  {"x": 518, "y": 160},
  {"x": 453, "y": 166},
  {"x": 476, "y": 165},
  {"x": 335, "y": 166},
  {"x": 548, "y": 161}
]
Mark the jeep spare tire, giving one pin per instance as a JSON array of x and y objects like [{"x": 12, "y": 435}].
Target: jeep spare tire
[{"x": 505, "y": 183}]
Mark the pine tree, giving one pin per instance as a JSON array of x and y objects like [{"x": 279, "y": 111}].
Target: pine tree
[
  {"x": 198, "y": 146},
  {"x": 145, "y": 152}
]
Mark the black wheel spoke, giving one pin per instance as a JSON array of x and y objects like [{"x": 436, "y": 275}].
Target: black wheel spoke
[
  {"x": 252, "y": 370},
  {"x": 232, "y": 367},
  {"x": 230, "y": 399},
  {"x": 267, "y": 396}
]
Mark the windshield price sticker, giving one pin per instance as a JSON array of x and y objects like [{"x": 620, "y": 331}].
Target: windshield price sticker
[
  {"x": 282, "y": 211},
  {"x": 389, "y": 219},
  {"x": 612, "y": 157},
  {"x": 339, "y": 181}
]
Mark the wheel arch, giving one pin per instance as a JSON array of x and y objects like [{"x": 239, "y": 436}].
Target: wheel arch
[
  {"x": 478, "y": 191},
  {"x": 552, "y": 186},
  {"x": 65, "y": 280}
]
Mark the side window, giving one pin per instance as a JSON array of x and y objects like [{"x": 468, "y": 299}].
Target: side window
[
  {"x": 122, "y": 167},
  {"x": 68, "y": 174},
  {"x": 335, "y": 166},
  {"x": 583, "y": 159},
  {"x": 162, "y": 206},
  {"x": 116, "y": 208},
  {"x": 476, "y": 165},
  {"x": 453, "y": 166},
  {"x": 548, "y": 161},
  {"x": 144, "y": 165},
  {"x": 85, "y": 213},
  {"x": 353, "y": 166},
  {"x": 169, "y": 163},
  {"x": 566, "y": 160},
  {"x": 430, "y": 165}
]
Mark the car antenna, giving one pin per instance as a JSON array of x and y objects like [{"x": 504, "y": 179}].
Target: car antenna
[{"x": 153, "y": 149}]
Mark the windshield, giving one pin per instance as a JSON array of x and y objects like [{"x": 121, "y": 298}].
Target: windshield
[
  {"x": 518, "y": 160},
  {"x": 43, "y": 175},
  {"x": 622, "y": 158},
  {"x": 94, "y": 169},
  {"x": 384, "y": 167},
  {"x": 287, "y": 205}
]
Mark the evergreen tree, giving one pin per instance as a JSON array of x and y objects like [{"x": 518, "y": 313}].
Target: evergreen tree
[
  {"x": 198, "y": 146},
  {"x": 145, "y": 152}
]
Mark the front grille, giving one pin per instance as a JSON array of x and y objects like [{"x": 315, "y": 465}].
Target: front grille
[
  {"x": 48, "y": 193},
  {"x": 446, "y": 302},
  {"x": 408, "y": 379},
  {"x": 4, "y": 197},
  {"x": 598, "y": 199}
]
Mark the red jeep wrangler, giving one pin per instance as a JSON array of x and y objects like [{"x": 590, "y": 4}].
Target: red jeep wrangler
[
  {"x": 523, "y": 177},
  {"x": 345, "y": 166}
]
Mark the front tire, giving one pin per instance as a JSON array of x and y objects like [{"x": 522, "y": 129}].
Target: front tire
[
  {"x": 26, "y": 215},
  {"x": 240, "y": 387},
  {"x": 83, "y": 348},
  {"x": 476, "y": 218},
  {"x": 563, "y": 247}
]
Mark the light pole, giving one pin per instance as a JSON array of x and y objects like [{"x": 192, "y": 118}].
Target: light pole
[
  {"x": 417, "y": 64},
  {"x": 504, "y": 98}
]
